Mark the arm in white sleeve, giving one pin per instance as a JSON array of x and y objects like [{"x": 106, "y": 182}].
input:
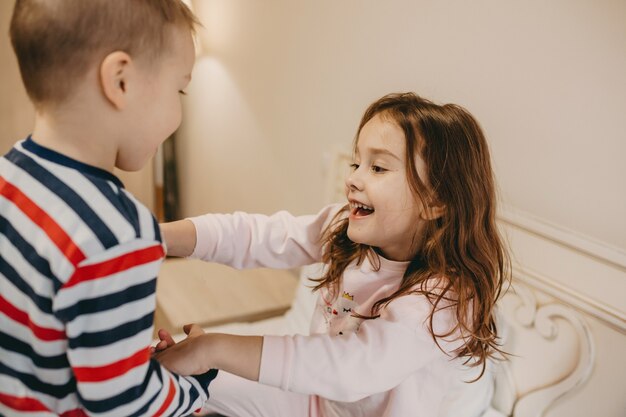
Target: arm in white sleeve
[
  {"x": 244, "y": 240},
  {"x": 347, "y": 368}
]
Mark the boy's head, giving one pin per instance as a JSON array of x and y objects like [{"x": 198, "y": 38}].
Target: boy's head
[{"x": 58, "y": 41}]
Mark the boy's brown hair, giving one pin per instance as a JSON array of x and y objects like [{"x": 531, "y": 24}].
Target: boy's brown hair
[{"x": 57, "y": 41}]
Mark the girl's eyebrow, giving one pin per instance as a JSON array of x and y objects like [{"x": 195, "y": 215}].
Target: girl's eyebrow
[{"x": 381, "y": 151}]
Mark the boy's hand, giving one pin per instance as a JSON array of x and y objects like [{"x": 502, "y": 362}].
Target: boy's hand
[
  {"x": 165, "y": 341},
  {"x": 186, "y": 357}
]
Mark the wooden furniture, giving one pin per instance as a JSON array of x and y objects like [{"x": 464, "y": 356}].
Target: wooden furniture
[{"x": 192, "y": 291}]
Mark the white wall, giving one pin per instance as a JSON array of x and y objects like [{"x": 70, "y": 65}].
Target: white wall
[{"x": 283, "y": 81}]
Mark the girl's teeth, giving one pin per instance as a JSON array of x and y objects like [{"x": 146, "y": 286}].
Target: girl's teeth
[{"x": 359, "y": 205}]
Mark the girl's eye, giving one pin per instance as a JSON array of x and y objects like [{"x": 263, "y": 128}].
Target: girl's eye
[
  {"x": 182, "y": 92},
  {"x": 377, "y": 169},
  {"x": 354, "y": 166}
]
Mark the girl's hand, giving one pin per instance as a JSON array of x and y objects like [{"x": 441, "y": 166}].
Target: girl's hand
[
  {"x": 187, "y": 357},
  {"x": 200, "y": 352}
]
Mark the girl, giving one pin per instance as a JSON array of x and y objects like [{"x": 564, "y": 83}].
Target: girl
[{"x": 414, "y": 266}]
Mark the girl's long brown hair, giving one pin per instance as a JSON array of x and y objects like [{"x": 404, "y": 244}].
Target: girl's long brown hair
[{"x": 461, "y": 250}]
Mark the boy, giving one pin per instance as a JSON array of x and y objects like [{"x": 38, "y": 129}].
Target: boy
[{"x": 79, "y": 255}]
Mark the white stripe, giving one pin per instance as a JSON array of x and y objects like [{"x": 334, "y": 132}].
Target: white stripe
[
  {"x": 113, "y": 352},
  {"x": 64, "y": 215},
  {"x": 119, "y": 250},
  {"x": 70, "y": 402},
  {"x": 13, "y": 387},
  {"x": 24, "y": 303},
  {"x": 6, "y": 411},
  {"x": 56, "y": 208},
  {"x": 95, "y": 391},
  {"x": 40, "y": 241},
  {"x": 40, "y": 284},
  {"x": 112, "y": 319},
  {"x": 106, "y": 285},
  {"x": 107, "y": 212},
  {"x": 187, "y": 383},
  {"x": 24, "y": 364},
  {"x": 146, "y": 219},
  {"x": 158, "y": 402},
  {"x": 24, "y": 334}
]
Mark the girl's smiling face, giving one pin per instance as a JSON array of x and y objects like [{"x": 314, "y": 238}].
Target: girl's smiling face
[{"x": 384, "y": 212}]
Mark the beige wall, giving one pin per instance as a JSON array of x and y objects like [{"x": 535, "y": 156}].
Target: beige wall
[
  {"x": 284, "y": 81},
  {"x": 17, "y": 113}
]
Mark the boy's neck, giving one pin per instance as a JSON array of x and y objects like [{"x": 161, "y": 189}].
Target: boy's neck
[{"x": 76, "y": 138}]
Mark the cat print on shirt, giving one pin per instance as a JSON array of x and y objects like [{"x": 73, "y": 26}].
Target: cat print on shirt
[{"x": 338, "y": 315}]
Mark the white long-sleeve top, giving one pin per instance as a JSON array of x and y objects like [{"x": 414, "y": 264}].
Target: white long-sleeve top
[{"x": 384, "y": 367}]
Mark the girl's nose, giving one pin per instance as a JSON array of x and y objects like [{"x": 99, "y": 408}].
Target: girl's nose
[{"x": 354, "y": 181}]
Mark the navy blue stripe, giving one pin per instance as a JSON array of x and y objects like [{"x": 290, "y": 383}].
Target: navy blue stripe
[
  {"x": 81, "y": 202},
  {"x": 120, "y": 201},
  {"x": 157, "y": 229},
  {"x": 206, "y": 378},
  {"x": 30, "y": 381},
  {"x": 183, "y": 395},
  {"x": 29, "y": 253},
  {"x": 12, "y": 344},
  {"x": 143, "y": 410},
  {"x": 109, "y": 301},
  {"x": 30, "y": 145},
  {"x": 44, "y": 304},
  {"x": 71, "y": 198},
  {"x": 103, "y": 338},
  {"x": 154, "y": 367},
  {"x": 126, "y": 397}
]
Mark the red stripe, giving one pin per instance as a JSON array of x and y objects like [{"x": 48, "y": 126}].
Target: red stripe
[
  {"x": 119, "y": 264},
  {"x": 42, "y": 333},
  {"x": 112, "y": 370},
  {"x": 22, "y": 403},
  {"x": 61, "y": 239},
  {"x": 74, "y": 413},
  {"x": 32, "y": 404},
  {"x": 168, "y": 399}
]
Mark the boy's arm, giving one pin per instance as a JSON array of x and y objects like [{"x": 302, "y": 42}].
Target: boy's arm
[{"x": 107, "y": 306}]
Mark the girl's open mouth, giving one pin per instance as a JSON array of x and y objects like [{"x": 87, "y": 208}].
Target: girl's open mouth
[{"x": 360, "y": 210}]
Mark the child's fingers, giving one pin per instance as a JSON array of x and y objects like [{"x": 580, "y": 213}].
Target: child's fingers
[
  {"x": 166, "y": 337},
  {"x": 162, "y": 345}
]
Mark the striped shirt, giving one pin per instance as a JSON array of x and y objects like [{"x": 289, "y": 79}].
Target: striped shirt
[{"x": 79, "y": 257}]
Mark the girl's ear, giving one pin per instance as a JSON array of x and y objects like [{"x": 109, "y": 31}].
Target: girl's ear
[
  {"x": 115, "y": 72},
  {"x": 433, "y": 212}
]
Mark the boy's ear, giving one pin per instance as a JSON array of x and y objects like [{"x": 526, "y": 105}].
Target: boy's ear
[
  {"x": 115, "y": 72},
  {"x": 433, "y": 212}
]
